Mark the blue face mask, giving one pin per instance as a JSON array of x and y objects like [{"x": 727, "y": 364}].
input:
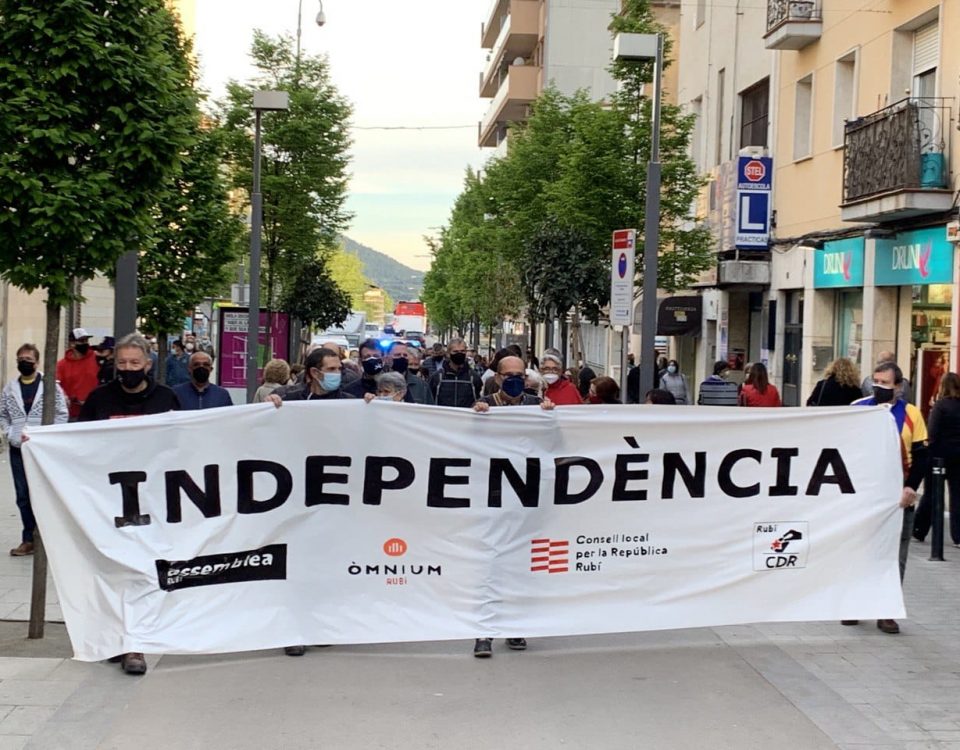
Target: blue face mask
[
  {"x": 512, "y": 386},
  {"x": 330, "y": 381}
]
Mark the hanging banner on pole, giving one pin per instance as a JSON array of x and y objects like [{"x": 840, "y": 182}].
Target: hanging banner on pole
[
  {"x": 621, "y": 277},
  {"x": 254, "y": 527}
]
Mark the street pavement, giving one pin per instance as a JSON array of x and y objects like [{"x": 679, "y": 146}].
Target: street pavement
[{"x": 803, "y": 686}]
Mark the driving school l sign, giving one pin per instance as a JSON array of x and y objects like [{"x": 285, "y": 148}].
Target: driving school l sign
[
  {"x": 621, "y": 277},
  {"x": 754, "y": 182}
]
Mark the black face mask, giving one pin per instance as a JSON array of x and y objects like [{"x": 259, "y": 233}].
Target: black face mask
[
  {"x": 458, "y": 358},
  {"x": 26, "y": 368},
  {"x": 201, "y": 374},
  {"x": 81, "y": 349},
  {"x": 372, "y": 366},
  {"x": 131, "y": 379},
  {"x": 400, "y": 365},
  {"x": 882, "y": 395}
]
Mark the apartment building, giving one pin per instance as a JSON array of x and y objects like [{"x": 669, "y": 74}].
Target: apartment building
[
  {"x": 535, "y": 43},
  {"x": 860, "y": 114},
  {"x": 865, "y": 185}
]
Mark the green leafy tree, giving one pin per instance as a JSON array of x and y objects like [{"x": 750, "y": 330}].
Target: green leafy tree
[
  {"x": 96, "y": 106},
  {"x": 347, "y": 270},
  {"x": 314, "y": 298},
  {"x": 304, "y": 178},
  {"x": 196, "y": 239}
]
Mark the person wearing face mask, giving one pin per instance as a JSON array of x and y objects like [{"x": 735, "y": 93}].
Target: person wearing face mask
[
  {"x": 371, "y": 364},
  {"x": 21, "y": 405},
  {"x": 391, "y": 386},
  {"x": 603, "y": 390},
  {"x": 134, "y": 393},
  {"x": 403, "y": 360},
  {"x": 717, "y": 390},
  {"x": 106, "y": 371},
  {"x": 559, "y": 390},
  {"x": 511, "y": 378},
  {"x": 676, "y": 382},
  {"x": 200, "y": 393},
  {"x": 77, "y": 371},
  {"x": 456, "y": 384},
  {"x": 888, "y": 392},
  {"x": 322, "y": 380},
  {"x": 177, "y": 361}
]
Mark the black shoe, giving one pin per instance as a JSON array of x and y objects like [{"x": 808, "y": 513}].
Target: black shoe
[
  {"x": 483, "y": 648},
  {"x": 294, "y": 650},
  {"x": 919, "y": 537},
  {"x": 517, "y": 644},
  {"x": 849, "y": 622},
  {"x": 115, "y": 659},
  {"x": 888, "y": 626},
  {"x": 133, "y": 663}
]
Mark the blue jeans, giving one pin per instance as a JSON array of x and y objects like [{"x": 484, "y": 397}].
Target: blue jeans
[{"x": 23, "y": 494}]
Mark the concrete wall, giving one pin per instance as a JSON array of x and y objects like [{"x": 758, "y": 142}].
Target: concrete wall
[{"x": 578, "y": 45}]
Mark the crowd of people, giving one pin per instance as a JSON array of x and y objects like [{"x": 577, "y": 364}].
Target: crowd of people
[{"x": 118, "y": 379}]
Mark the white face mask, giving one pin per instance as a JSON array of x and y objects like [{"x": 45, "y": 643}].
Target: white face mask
[{"x": 550, "y": 378}]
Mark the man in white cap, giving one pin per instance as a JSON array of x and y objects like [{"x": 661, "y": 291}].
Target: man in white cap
[{"x": 78, "y": 370}]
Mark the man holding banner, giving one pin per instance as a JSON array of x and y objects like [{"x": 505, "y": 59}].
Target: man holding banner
[{"x": 888, "y": 384}]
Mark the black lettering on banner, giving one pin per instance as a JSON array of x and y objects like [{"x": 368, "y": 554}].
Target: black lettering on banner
[
  {"x": 830, "y": 458},
  {"x": 128, "y": 481},
  {"x": 695, "y": 481},
  {"x": 207, "y": 500},
  {"x": 528, "y": 491},
  {"x": 317, "y": 477},
  {"x": 561, "y": 491},
  {"x": 373, "y": 482},
  {"x": 265, "y": 564},
  {"x": 439, "y": 479},
  {"x": 783, "y": 488},
  {"x": 726, "y": 468},
  {"x": 246, "y": 502},
  {"x": 625, "y": 474}
]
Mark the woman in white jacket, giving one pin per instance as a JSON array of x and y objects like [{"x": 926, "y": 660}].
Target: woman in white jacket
[{"x": 21, "y": 405}]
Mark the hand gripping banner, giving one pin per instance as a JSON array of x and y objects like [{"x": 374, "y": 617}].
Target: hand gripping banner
[{"x": 345, "y": 522}]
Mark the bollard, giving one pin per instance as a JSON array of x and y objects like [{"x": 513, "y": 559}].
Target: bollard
[{"x": 936, "y": 501}]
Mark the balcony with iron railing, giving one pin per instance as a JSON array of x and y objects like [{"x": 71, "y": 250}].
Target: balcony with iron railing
[
  {"x": 792, "y": 24},
  {"x": 896, "y": 162}
]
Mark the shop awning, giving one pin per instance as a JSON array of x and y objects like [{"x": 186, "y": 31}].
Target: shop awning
[{"x": 679, "y": 316}]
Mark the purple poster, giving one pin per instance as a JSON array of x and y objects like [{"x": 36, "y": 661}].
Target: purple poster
[{"x": 232, "y": 359}]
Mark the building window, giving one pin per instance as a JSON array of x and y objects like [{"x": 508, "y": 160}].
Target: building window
[
  {"x": 803, "y": 118},
  {"x": 701, "y": 12},
  {"x": 755, "y": 114},
  {"x": 844, "y": 95},
  {"x": 926, "y": 51},
  {"x": 696, "y": 137},
  {"x": 721, "y": 80}
]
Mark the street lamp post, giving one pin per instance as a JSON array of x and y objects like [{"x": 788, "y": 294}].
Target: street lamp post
[
  {"x": 263, "y": 101},
  {"x": 640, "y": 48}
]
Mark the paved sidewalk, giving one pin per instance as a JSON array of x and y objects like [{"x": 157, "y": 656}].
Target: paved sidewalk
[{"x": 802, "y": 685}]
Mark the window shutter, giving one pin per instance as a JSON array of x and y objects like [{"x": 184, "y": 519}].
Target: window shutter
[{"x": 926, "y": 48}]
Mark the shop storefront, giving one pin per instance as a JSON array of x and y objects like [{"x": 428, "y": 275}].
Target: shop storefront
[
  {"x": 920, "y": 263},
  {"x": 839, "y": 267}
]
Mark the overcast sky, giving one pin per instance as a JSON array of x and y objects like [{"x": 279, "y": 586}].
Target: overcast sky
[{"x": 400, "y": 63}]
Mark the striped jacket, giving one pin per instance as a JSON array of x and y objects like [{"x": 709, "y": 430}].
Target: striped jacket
[{"x": 13, "y": 417}]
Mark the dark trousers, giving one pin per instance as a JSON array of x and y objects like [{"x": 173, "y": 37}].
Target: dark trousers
[
  {"x": 23, "y": 494},
  {"x": 924, "y": 518},
  {"x": 905, "y": 532}
]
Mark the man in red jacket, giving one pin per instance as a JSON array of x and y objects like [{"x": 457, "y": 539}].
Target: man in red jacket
[
  {"x": 78, "y": 370},
  {"x": 559, "y": 390}
]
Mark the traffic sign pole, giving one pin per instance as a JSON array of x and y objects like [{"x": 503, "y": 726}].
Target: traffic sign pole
[{"x": 622, "y": 274}]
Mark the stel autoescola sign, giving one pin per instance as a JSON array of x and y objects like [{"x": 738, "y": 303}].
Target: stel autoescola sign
[
  {"x": 921, "y": 256},
  {"x": 839, "y": 264}
]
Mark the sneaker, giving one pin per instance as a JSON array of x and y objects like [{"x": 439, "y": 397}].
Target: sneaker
[
  {"x": 888, "y": 626},
  {"x": 849, "y": 622},
  {"x": 517, "y": 644},
  {"x": 133, "y": 663},
  {"x": 294, "y": 650},
  {"x": 22, "y": 550},
  {"x": 483, "y": 648}
]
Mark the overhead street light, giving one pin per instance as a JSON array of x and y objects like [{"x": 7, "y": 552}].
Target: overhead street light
[
  {"x": 263, "y": 101},
  {"x": 638, "y": 48}
]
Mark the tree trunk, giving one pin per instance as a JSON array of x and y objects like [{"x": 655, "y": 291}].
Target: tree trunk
[
  {"x": 38, "y": 594},
  {"x": 532, "y": 352},
  {"x": 162, "y": 353}
]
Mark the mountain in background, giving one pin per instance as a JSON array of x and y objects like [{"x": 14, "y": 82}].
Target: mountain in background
[{"x": 400, "y": 282}]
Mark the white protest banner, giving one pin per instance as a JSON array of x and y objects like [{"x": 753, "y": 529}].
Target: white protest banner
[{"x": 344, "y": 522}]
